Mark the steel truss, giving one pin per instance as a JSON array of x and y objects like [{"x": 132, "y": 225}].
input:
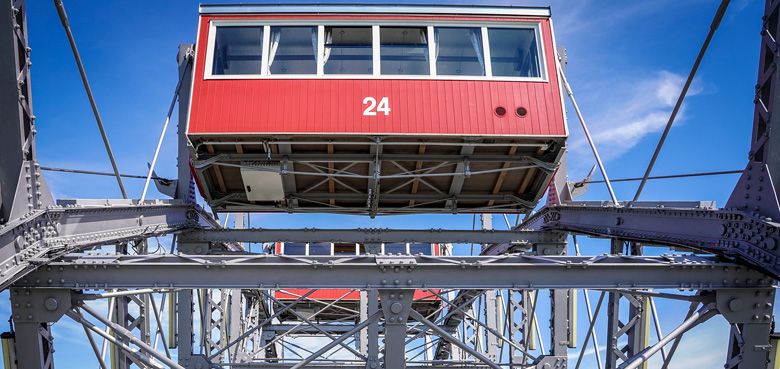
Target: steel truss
[{"x": 210, "y": 303}]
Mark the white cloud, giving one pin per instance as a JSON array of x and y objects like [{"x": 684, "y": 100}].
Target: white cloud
[{"x": 632, "y": 113}]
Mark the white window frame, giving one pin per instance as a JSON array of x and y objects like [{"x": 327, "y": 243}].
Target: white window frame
[
  {"x": 375, "y": 26},
  {"x": 405, "y": 243}
]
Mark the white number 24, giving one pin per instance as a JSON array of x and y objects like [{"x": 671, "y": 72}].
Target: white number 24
[{"x": 373, "y": 107}]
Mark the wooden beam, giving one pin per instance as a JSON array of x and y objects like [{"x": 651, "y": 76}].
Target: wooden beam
[
  {"x": 529, "y": 175},
  {"x": 502, "y": 175},
  {"x": 217, "y": 172}
]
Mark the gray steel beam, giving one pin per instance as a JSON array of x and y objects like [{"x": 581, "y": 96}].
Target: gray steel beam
[
  {"x": 750, "y": 313},
  {"x": 22, "y": 188},
  {"x": 185, "y": 184},
  {"x": 205, "y": 160},
  {"x": 396, "y": 307},
  {"x": 751, "y": 239},
  {"x": 757, "y": 188},
  {"x": 460, "y": 174},
  {"x": 72, "y": 225},
  {"x": 420, "y": 272},
  {"x": 369, "y": 235},
  {"x": 345, "y": 366}
]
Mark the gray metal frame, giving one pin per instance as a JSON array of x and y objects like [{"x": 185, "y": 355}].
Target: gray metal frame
[{"x": 482, "y": 311}]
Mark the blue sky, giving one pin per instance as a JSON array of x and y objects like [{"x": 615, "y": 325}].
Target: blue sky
[{"x": 627, "y": 62}]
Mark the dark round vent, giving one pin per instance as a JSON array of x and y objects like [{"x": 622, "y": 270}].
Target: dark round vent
[{"x": 500, "y": 111}]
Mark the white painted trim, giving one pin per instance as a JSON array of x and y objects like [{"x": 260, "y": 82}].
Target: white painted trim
[
  {"x": 560, "y": 81},
  {"x": 264, "y": 67},
  {"x": 210, "y": 49},
  {"x": 432, "y": 51},
  {"x": 486, "y": 52},
  {"x": 320, "y": 57},
  {"x": 376, "y": 48},
  {"x": 374, "y": 9},
  {"x": 265, "y": 70}
]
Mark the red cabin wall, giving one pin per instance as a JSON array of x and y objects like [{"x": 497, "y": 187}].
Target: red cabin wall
[{"x": 334, "y": 106}]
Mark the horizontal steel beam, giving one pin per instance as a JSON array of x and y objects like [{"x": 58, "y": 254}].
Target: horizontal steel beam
[
  {"x": 370, "y": 235},
  {"x": 419, "y": 272},
  {"x": 749, "y": 238},
  {"x": 206, "y": 160},
  {"x": 76, "y": 224},
  {"x": 351, "y": 365}
]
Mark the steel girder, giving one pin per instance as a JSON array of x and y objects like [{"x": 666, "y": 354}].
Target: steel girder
[
  {"x": 373, "y": 235},
  {"x": 43, "y": 235},
  {"x": 22, "y": 187},
  {"x": 419, "y": 272},
  {"x": 749, "y": 238}
]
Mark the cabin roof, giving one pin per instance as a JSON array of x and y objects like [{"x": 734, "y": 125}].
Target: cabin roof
[{"x": 274, "y": 7}]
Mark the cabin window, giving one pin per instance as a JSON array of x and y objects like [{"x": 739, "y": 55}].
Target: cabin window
[
  {"x": 395, "y": 248},
  {"x": 375, "y": 51},
  {"x": 348, "y": 50},
  {"x": 293, "y": 50},
  {"x": 514, "y": 52},
  {"x": 404, "y": 51},
  {"x": 319, "y": 248},
  {"x": 420, "y": 248},
  {"x": 459, "y": 51},
  {"x": 237, "y": 50},
  {"x": 294, "y": 248},
  {"x": 344, "y": 249}
]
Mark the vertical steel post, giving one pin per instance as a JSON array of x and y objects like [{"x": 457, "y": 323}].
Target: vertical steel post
[
  {"x": 613, "y": 316},
  {"x": 22, "y": 188},
  {"x": 184, "y": 334},
  {"x": 185, "y": 186},
  {"x": 372, "y": 332},
  {"x": 637, "y": 326},
  {"x": 757, "y": 188},
  {"x": 34, "y": 345},
  {"x": 491, "y": 322},
  {"x": 396, "y": 305},
  {"x": 750, "y": 313},
  {"x": 559, "y": 312}
]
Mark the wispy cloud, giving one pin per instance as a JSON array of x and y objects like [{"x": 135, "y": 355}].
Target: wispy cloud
[{"x": 635, "y": 111}]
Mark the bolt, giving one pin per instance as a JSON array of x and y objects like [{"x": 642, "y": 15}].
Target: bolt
[
  {"x": 396, "y": 307},
  {"x": 51, "y": 304}
]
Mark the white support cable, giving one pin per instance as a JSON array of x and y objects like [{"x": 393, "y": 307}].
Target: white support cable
[
  {"x": 591, "y": 331},
  {"x": 585, "y": 130},
  {"x": 724, "y": 4},
  {"x": 110, "y": 313},
  {"x": 165, "y": 127},
  {"x": 702, "y": 315},
  {"x": 657, "y": 324},
  {"x": 72, "y": 41}
]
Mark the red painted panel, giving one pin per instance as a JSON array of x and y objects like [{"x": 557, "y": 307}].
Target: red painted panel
[
  {"x": 344, "y": 294},
  {"x": 423, "y": 107}
]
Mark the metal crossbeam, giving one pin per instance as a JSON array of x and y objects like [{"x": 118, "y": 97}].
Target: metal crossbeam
[
  {"x": 421, "y": 272},
  {"x": 750, "y": 238},
  {"x": 74, "y": 225},
  {"x": 368, "y": 235}
]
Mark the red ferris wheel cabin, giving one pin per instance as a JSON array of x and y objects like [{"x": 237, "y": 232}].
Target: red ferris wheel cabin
[{"x": 369, "y": 109}]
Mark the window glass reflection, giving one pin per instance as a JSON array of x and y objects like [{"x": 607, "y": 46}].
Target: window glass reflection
[
  {"x": 404, "y": 51},
  {"x": 513, "y": 52},
  {"x": 459, "y": 51},
  {"x": 293, "y": 50},
  {"x": 237, "y": 50}
]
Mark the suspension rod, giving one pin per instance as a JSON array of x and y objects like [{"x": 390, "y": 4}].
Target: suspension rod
[
  {"x": 64, "y": 19},
  {"x": 713, "y": 27}
]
